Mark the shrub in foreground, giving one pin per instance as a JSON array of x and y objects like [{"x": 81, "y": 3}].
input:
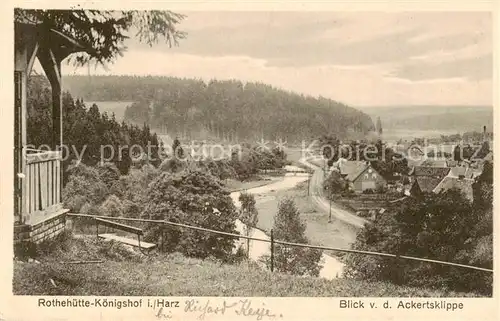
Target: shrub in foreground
[{"x": 192, "y": 197}]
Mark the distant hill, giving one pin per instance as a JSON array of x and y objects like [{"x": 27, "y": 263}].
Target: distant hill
[
  {"x": 229, "y": 110},
  {"x": 457, "y": 119}
]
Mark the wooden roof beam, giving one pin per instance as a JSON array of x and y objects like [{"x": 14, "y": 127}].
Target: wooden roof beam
[
  {"x": 61, "y": 44},
  {"x": 51, "y": 65},
  {"x": 72, "y": 41}
]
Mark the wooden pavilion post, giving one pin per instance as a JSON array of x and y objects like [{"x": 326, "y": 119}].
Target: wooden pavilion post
[
  {"x": 38, "y": 174},
  {"x": 26, "y": 49},
  {"x": 19, "y": 133},
  {"x": 52, "y": 67}
]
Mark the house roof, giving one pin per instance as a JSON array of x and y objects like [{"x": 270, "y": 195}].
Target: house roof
[
  {"x": 414, "y": 162},
  {"x": 489, "y": 156},
  {"x": 437, "y": 172},
  {"x": 368, "y": 168},
  {"x": 464, "y": 185},
  {"x": 476, "y": 172},
  {"x": 435, "y": 162},
  {"x": 352, "y": 169},
  {"x": 427, "y": 183},
  {"x": 458, "y": 171}
]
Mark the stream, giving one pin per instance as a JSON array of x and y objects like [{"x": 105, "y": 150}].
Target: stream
[{"x": 332, "y": 268}]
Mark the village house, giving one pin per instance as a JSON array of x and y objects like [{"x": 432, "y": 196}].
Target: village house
[
  {"x": 423, "y": 184},
  {"x": 360, "y": 175},
  {"x": 427, "y": 171},
  {"x": 463, "y": 172},
  {"x": 463, "y": 177},
  {"x": 464, "y": 185},
  {"x": 441, "y": 179},
  {"x": 425, "y": 179},
  {"x": 434, "y": 162}
]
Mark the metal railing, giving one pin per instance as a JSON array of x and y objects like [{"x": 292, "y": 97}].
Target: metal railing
[{"x": 273, "y": 242}]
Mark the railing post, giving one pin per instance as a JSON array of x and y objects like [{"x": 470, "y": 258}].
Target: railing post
[
  {"x": 96, "y": 227},
  {"x": 272, "y": 251},
  {"x": 162, "y": 236}
]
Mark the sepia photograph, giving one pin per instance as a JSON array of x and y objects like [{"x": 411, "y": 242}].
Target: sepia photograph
[{"x": 178, "y": 153}]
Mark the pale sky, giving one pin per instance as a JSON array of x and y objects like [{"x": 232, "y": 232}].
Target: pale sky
[{"x": 361, "y": 59}]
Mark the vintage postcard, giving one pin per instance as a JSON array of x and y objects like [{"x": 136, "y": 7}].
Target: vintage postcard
[{"x": 249, "y": 161}]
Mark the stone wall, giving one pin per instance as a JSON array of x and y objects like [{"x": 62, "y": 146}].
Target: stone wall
[{"x": 40, "y": 232}]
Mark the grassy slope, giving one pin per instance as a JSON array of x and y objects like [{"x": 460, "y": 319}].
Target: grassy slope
[
  {"x": 125, "y": 273},
  {"x": 234, "y": 185},
  {"x": 318, "y": 230}
]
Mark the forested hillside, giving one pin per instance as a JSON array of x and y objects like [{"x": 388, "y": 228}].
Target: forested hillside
[
  {"x": 450, "y": 118},
  {"x": 85, "y": 130},
  {"x": 226, "y": 109}
]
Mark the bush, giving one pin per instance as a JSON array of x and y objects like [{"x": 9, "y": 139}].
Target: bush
[
  {"x": 76, "y": 202},
  {"x": 445, "y": 227},
  {"x": 108, "y": 173},
  {"x": 112, "y": 206},
  {"x": 131, "y": 209},
  {"x": 132, "y": 189},
  {"x": 173, "y": 165},
  {"x": 221, "y": 168},
  {"x": 194, "y": 198},
  {"x": 381, "y": 188},
  {"x": 84, "y": 186},
  {"x": 368, "y": 191},
  {"x": 90, "y": 209}
]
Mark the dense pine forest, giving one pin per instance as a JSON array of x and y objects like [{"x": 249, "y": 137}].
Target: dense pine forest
[
  {"x": 85, "y": 129},
  {"x": 227, "y": 109}
]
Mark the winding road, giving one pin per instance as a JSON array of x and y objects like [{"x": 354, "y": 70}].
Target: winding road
[
  {"x": 316, "y": 191},
  {"x": 331, "y": 267}
]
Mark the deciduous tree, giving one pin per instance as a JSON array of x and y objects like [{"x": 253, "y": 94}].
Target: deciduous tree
[
  {"x": 288, "y": 227},
  {"x": 248, "y": 214},
  {"x": 334, "y": 184}
]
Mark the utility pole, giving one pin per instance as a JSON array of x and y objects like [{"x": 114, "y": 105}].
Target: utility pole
[
  {"x": 330, "y": 203},
  {"x": 309, "y": 184},
  {"x": 272, "y": 251},
  {"x": 330, "y": 215},
  {"x": 324, "y": 168}
]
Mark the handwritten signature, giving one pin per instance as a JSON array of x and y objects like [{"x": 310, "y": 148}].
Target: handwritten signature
[
  {"x": 239, "y": 307},
  {"x": 163, "y": 315}
]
